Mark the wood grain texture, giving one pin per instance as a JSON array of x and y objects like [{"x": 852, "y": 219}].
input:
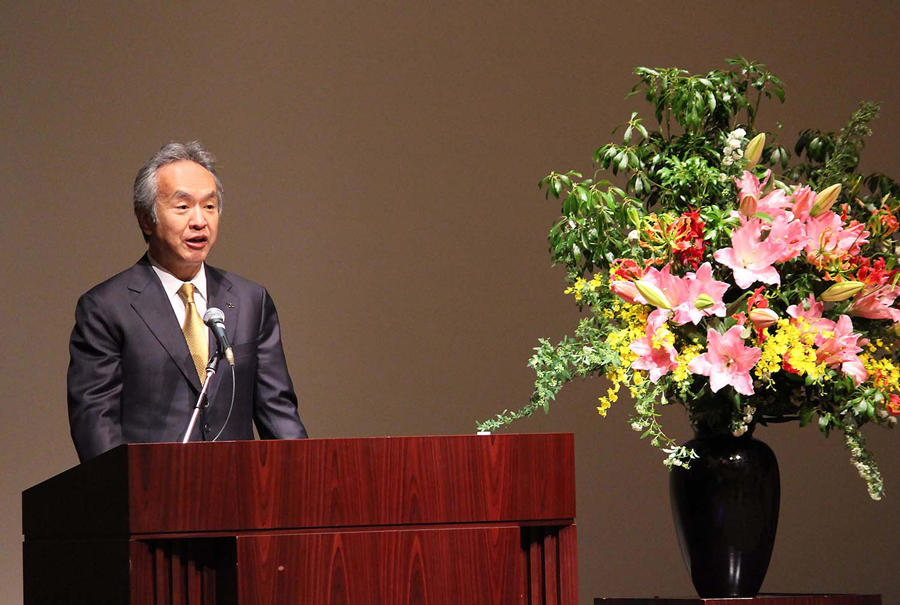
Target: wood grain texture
[
  {"x": 354, "y": 482},
  {"x": 234, "y": 486},
  {"x": 568, "y": 566},
  {"x": 436, "y": 567},
  {"x": 765, "y": 599},
  {"x": 465, "y": 519}
]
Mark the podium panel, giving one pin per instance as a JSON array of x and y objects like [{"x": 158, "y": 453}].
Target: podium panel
[{"x": 446, "y": 519}]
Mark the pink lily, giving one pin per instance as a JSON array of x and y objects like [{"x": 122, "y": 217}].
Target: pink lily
[
  {"x": 840, "y": 348},
  {"x": 812, "y": 315},
  {"x": 751, "y": 257},
  {"x": 674, "y": 288},
  {"x": 751, "y": 198},
  {"x": 775, "y": 204},
  {"x": 827, "y": 239},
  {"x": 804, "y": 198},
  {"x": 814, "y": 310},
  {"x": 749, "y": 184},
  {"x": 700, "y": 283},
  {"x": 877, "y": 304},
  {"x": 787, "y": 235},
  {"x": 727, "y": 361},
  {"x": 659, "y": 361}
]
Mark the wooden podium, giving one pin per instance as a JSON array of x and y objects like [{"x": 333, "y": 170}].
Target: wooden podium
[{"x": 454, "y": 519}]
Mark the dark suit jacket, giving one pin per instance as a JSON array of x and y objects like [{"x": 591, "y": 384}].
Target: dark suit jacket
[{"x": 131, "y": 378}]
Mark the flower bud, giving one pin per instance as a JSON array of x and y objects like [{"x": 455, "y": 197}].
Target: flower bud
[
  {"x": 825, "y": 199},
  {"x": 704, "y": 301},
  {"x": 896, "y": 328},
  {"x": 763, "y": 318},
  {"x": 625, "y": 290},
  {"x": 634, "y": 217},
  {"x": 842, "y": 290},
  {"x": 652, "y": 294},
  {"x": 754, "y": 150},
  {"x": 748, "y": 205}
]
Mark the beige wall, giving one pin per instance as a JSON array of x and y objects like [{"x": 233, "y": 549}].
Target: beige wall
[{"x": 381, "y": 164}]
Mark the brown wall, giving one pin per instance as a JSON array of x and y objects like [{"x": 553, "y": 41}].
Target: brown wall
[{"x": 381, "y": 163}]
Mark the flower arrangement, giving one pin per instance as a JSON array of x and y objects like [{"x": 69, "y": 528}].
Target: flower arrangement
[{"x": 723, "y": 278}]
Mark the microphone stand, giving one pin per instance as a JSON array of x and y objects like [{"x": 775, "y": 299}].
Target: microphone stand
[{"x": 202, "y": 401}]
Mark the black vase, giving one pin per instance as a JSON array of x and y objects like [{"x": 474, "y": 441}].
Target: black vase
[{"x": 725, "y": 509}]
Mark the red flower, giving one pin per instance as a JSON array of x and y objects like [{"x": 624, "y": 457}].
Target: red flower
[{"x": 893, "y": 405}]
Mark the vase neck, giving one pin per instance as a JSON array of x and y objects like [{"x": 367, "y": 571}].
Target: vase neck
[{"x": 703, "y": 430}]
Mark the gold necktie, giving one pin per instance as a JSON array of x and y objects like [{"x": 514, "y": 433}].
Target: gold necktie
[{"x": 194, "y": 330}]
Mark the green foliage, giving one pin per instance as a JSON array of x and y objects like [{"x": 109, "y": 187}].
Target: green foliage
[
  {"x": 555, "y": 366},
  {"x": 675, "y": 165},
  {"x": 594, "y": 224},
  {"x": 827, "y": 158}
]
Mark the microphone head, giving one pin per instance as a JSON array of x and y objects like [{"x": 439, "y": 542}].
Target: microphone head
[{"x": 213, "y": 315}]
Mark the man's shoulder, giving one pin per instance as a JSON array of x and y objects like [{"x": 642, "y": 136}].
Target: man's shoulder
[
  {"x": 134, "y": 277},
  {"x": 233, "y": 280}
]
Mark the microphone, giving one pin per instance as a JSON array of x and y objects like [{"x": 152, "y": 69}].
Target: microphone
[{"x": 215, "y": 319}]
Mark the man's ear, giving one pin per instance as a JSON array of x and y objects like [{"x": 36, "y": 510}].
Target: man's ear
[{"x": 145, "y": 222}]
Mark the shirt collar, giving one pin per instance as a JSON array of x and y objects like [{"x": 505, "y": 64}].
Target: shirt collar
[{"x": 171, "y": 284}]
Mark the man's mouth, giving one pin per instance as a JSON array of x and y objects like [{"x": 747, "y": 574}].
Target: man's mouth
[{"x": 197, "y": 242}]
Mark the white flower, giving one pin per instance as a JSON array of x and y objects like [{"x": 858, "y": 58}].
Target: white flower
[
  {"x": 736, "y": 137},
  {"x": 637, "y": 426},
  {"x": 739, "y": 430},
  {"x": 728, "y": 160}
]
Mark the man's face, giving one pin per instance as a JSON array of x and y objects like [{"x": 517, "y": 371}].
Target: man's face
[{"x": 187, "y": 212}]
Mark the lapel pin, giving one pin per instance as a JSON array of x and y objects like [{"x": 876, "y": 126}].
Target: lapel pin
[{"x": 229, "y": 305}]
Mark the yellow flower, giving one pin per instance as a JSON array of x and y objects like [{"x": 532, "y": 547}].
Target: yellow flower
[
  {"x": 681, "y": 373},
  {"x": 885, "y": 376},
  {"x": 793, "y": 343}
]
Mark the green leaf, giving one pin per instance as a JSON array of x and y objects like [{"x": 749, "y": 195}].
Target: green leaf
[
  {"x": 556, "y": 186},
  {"x": 582, "y": 194}
]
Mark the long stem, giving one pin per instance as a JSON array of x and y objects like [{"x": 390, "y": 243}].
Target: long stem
[{"x": 752, "y": 118}]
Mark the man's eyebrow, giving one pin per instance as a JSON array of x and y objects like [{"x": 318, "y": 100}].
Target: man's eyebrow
[{"x": 179, "y": 194}]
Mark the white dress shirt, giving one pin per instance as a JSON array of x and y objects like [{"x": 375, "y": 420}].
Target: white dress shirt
[{"x": 172, "y": 284}]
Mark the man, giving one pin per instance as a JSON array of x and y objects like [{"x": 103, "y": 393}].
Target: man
[{"x": 138, "y": 350}]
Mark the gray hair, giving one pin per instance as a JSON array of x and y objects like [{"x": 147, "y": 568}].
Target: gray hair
[{"x": 145, "y": 183}]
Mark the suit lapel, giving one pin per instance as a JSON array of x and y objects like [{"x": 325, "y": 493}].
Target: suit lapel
[
  {"x": 150, "y": 302},
  {"x": 219, "y": 293}
]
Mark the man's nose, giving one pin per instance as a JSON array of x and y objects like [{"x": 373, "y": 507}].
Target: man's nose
[{"x": 197, "y": 218}]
